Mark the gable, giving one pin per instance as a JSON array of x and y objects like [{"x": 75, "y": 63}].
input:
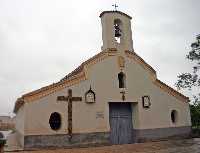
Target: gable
[
  {"x": 80, "y": 74},
  {"x": 75, "y": 77},
  {"x": 157, "y": 82}
]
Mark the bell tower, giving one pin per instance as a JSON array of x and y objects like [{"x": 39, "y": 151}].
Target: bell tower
[{"x": 116, "y": 30}]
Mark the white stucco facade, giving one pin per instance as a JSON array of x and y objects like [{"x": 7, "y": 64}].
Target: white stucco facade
[{"x": 101, "y": 73}]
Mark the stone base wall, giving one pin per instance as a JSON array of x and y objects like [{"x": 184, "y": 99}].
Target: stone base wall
[
  {"x": 101, "y": 138},
  {"x": 142, "y": 135},
  {"x": 56, "y": 141}
]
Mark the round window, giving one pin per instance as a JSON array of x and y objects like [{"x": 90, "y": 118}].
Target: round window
[
  {"x": 55, "y": 121},
  {"x": 174, "y": 115}
]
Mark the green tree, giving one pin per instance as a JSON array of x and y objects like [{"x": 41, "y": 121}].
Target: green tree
[
  {"x": 192, "y": 80},
  {"x": 195, "y": 115}
]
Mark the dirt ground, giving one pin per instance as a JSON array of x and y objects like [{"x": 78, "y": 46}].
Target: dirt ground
[{"x": 171, "y": 146}]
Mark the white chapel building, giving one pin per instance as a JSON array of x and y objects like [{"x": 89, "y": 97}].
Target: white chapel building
[{"x": 114, "y": 97}]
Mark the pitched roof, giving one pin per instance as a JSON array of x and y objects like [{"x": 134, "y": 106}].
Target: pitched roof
[
  {"x": 140, "y": 60},
  {"x": 157, "y": 82},
  {"x": 79, "y": 74},
  {"x": 68, "y": 80},
  {"x": 80, "y": 68},
  {"x": 171, "y": 91}
]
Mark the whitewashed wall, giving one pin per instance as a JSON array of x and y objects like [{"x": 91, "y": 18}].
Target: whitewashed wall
[{"x": 104, "y": 82}]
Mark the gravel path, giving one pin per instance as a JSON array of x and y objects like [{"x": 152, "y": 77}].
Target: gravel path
[{"x": 171, "y": 146}]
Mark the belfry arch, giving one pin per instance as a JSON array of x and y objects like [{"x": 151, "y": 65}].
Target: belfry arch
[{"x": 118, "y": 32}]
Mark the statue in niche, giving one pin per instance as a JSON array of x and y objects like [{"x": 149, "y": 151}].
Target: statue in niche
[{"x": 90, "y": 96}]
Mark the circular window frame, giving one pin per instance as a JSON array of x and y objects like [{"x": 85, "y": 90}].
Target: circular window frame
[
  {"x": 51, "y": 118},
  {"x": 174, "y": 116}
]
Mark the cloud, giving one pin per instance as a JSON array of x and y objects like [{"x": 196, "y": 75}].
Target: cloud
[{"x": 43, "y": 40}]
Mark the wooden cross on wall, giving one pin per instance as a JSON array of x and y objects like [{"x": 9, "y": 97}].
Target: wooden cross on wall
[{"x": 69, "y": 99}]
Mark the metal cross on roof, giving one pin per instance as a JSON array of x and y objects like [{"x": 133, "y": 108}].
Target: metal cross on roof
[{"x": 115, "y": 6}]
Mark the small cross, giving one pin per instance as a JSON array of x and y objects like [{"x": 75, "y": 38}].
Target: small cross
[
  {"x": 123, "y": 95},
  {"x": 115, "y": 6},
  {"x": 70, "y": 99}
]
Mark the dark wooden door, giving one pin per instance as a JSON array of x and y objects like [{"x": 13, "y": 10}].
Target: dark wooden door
[{"x": 121, "y": 123}]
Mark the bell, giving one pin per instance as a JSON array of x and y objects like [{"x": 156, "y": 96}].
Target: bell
[{"x": 117, "y": 31}]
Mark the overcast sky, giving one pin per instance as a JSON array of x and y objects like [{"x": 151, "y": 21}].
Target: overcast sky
[{"x": 43, "y": 40}]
